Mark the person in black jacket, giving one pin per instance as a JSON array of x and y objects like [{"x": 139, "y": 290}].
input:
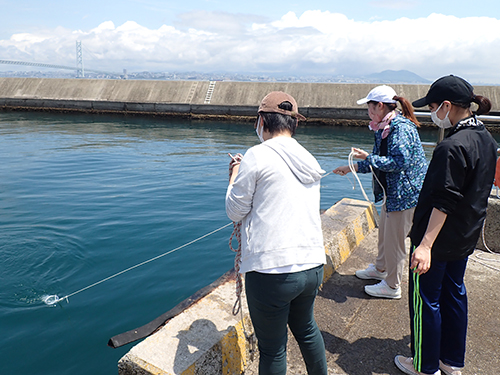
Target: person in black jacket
[{"x": 446, "y": 226}]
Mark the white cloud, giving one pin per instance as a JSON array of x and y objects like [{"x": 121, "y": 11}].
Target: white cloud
[
  {"x": 314, "y": 42},
  {"x": 219, "y": 22}
]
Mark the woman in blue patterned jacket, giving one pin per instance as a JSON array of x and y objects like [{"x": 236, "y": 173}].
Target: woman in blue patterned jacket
[{"x": 398, "y": 161}]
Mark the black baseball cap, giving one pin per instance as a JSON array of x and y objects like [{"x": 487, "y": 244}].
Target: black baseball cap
[{"x": 452, "y": 88}]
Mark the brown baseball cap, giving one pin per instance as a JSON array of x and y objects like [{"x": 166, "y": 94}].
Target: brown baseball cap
[{"x": 272, "y": 101}]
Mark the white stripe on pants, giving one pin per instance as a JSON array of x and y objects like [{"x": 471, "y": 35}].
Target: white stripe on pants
[{"x": 392, "y": 231}]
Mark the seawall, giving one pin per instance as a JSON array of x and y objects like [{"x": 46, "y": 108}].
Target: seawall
[
  {"x": 207, "y": 338},
  {"x": 326, "y": 103}
]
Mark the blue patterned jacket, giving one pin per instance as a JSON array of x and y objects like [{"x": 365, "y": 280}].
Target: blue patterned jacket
[{"x": 405, "y": 164}]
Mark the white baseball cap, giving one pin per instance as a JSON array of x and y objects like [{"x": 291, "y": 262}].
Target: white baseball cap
[{"x": 384, "y": 94}]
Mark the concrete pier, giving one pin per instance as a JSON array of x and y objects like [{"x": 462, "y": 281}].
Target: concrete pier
[
  {"x": 362, "y": 334},
  {"x": 325, "y": 103},
  {"x": 207, "y": 338}
]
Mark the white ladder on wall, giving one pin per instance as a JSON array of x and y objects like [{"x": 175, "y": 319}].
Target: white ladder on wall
[{"x": 210, "y": 92}]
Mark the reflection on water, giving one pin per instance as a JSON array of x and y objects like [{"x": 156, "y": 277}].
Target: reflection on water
[{"x": 85, "y": 197}]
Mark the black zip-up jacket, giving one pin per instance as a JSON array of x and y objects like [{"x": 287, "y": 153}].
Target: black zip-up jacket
[{"x": 458, "y": 182}]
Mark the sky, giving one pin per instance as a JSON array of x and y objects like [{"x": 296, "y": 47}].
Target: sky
[{"x": 316, "y": 37}]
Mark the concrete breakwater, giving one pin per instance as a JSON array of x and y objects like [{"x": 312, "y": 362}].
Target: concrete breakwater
[{"x": 325, "y": 103}]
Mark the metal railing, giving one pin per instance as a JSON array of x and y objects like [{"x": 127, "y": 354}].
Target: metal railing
[
  {"x": 481, "y": 117},
  {"x": 441, "y": 131}
]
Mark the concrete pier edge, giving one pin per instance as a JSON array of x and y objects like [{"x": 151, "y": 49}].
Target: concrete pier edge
[{"x": 207, "y": 338}]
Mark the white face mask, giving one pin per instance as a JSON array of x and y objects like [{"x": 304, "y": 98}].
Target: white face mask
[
  {"x": 444, "y": 123},
  {"x": 261, "y": 131}
]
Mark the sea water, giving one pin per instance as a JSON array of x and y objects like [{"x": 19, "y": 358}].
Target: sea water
[{"x": 85, "y": 197}]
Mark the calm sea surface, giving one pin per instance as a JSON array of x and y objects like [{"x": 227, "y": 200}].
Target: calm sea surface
[{"x": 85, "y": 197}]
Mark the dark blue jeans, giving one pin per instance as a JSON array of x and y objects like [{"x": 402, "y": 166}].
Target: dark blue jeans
[{"x": 278, "y": 300}]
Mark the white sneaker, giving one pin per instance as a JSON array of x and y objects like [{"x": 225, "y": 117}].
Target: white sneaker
[
  {"x": 371, "y": 273},
  {"x": 449, "y": 370},
  {"x": 405, "y": 364},
  {"x": 383, "y": 290}
]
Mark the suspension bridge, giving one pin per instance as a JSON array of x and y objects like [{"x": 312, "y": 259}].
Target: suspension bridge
[{"x": 79, "y": 68}]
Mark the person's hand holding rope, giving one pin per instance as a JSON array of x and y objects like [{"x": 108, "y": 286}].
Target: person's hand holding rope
[
  {"x": 420, "y": 261},
  {"x": 358, "y": 153},
  {"x": 234, "y": 166},
  {"x": 342, "y": 171},
  {"x": 355, "y": 153}
]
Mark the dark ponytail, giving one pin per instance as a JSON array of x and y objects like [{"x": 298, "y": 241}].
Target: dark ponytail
[
  {"x": 483, "y": 104},
  {"x": 406, "y": 108}
]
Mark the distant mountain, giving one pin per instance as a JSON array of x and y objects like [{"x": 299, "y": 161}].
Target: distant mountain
[{"x": 397, "y": 76}]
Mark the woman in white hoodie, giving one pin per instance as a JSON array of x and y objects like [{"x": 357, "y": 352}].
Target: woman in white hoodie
[{"x": 275, "y": 192}]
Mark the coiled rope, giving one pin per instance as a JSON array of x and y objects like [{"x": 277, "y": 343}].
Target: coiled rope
[
  {"x": 481, "y": 259},
  {"x": 237, "y": 261},
  {"x": 236, "y": 234},
  {"x": 236, "y": 160}
]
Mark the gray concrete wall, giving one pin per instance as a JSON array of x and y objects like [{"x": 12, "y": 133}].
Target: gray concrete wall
[{"x": 327, "y": 101}]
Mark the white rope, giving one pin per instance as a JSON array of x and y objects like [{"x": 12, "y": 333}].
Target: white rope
[
  {"x": 350, "y": 161},
  {"x": 482, "y": 236},
  {"x": 481, "y": 259},
  {"x": 53, "y": 299}
]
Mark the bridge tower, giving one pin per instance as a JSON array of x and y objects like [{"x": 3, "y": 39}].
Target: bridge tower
[{"x": 79, "y": 60}]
